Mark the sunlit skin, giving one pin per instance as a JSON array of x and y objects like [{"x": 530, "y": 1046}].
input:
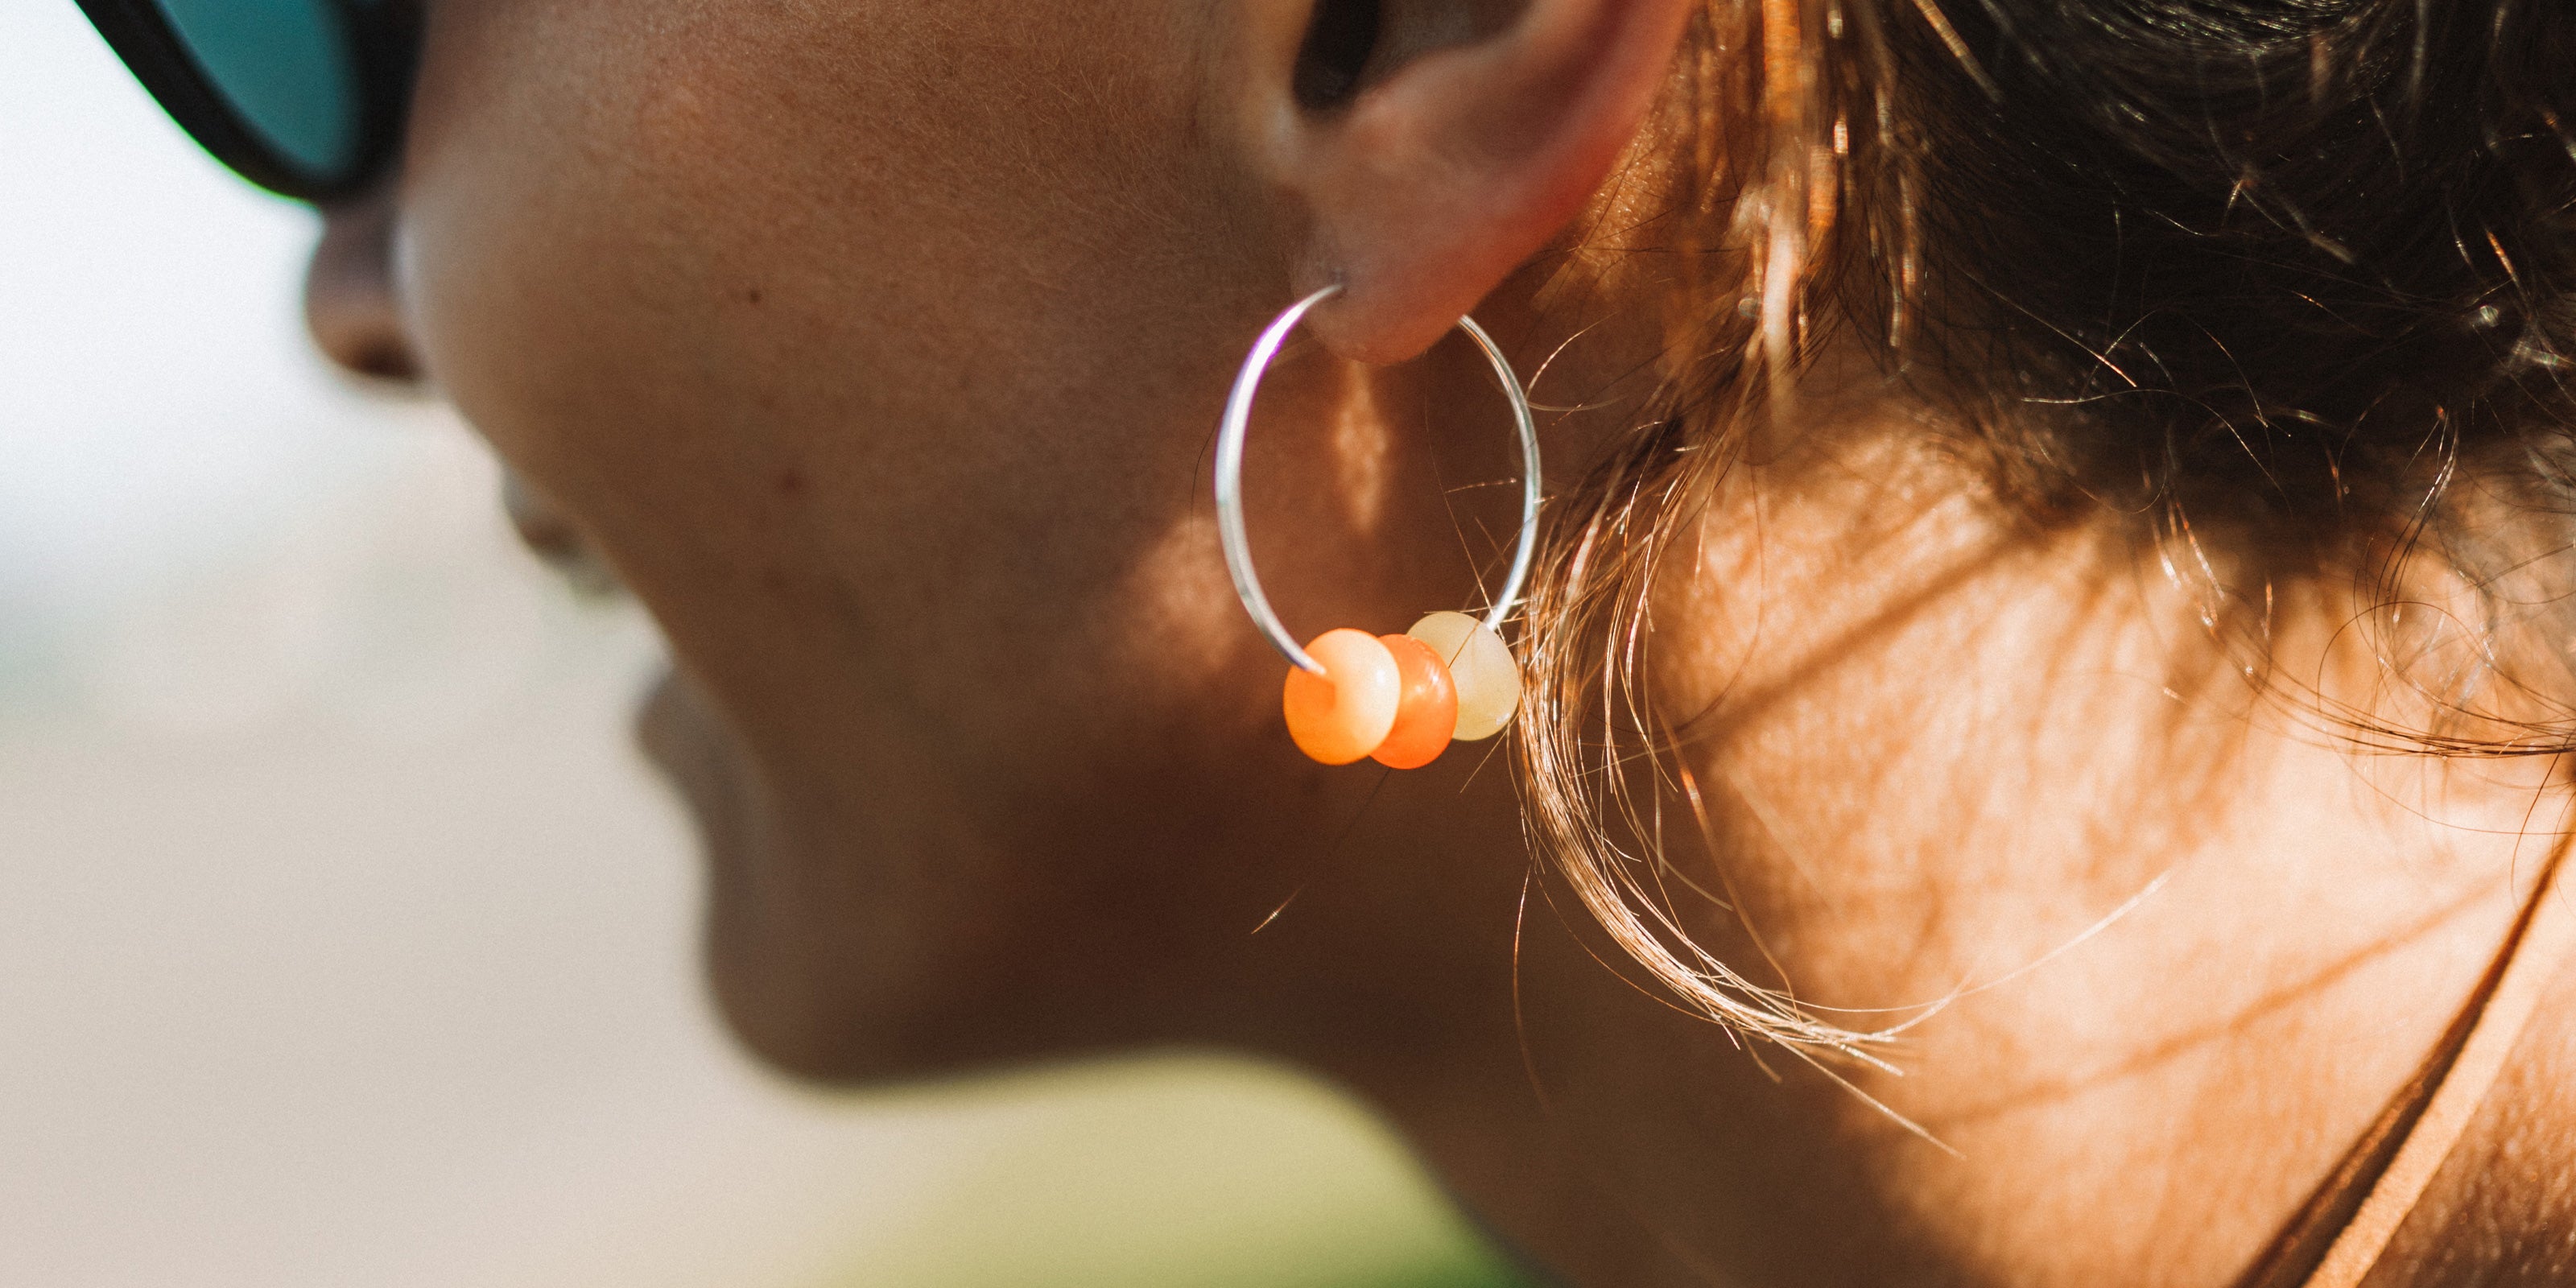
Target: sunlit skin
[{"x": 878, "y": 347}]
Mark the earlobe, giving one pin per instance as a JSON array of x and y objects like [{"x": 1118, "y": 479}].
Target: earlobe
[{"x": 1469, "y": 138}]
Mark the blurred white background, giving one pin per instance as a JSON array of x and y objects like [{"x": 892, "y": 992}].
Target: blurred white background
[{"x": 342, "y": 939}]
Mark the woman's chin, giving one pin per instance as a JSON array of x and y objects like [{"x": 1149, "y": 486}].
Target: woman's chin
[
  {"x": 821, "y": 975},
  {"x": 817, "y": 1024}
]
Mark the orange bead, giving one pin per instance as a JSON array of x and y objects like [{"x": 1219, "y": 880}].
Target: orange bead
[
  {"x": 1343, "y": 714},
  {"x": 1427, "y": 712}
]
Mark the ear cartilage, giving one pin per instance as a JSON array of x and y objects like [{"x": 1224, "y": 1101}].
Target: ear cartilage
[{"x": 1400, "y": 699}]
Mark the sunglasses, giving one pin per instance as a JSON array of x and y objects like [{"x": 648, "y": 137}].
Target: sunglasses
[{"x": 303, "y": 97}]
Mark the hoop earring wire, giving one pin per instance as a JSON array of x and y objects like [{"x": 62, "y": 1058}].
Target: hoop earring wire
[
  {"x": 1229, "y": 478},
  {"x": 1247, "y": 583}
]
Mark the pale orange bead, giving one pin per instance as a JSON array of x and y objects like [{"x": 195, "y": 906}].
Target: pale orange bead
[
  {"x": 1480, "y": 665},
  {"x": 1427, "y": 711},
  {"x": 1343, "y": 714}
]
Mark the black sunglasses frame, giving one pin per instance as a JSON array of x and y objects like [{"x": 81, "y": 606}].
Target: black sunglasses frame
[{"x": 383, "y": 39}]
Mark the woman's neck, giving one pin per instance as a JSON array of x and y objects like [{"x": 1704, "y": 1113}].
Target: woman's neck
[{"x": 2161, "y": 945}]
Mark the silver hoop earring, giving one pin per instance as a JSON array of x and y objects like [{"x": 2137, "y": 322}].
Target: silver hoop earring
[{"x": 1398, "y": 699}]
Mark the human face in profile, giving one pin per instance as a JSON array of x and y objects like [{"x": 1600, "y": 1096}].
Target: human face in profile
[{"x": 877, "y": 348}]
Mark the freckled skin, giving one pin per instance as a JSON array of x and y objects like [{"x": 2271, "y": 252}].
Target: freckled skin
[
  {"x": 878, "y": 346},
  {"x": 891, "y": 502}
]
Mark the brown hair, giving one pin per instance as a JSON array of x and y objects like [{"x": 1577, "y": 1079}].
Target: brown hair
[{"x": 2282, "y": 274}]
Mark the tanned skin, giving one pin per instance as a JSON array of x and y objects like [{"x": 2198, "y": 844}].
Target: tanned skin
[{"x": 877, "y": 346}]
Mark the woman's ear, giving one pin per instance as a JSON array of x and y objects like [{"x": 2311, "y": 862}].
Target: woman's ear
[{"x": 1435, "y": 145}]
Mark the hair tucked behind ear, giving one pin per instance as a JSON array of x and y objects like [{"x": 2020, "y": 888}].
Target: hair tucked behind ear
[{"x": 2282, "y": 277}]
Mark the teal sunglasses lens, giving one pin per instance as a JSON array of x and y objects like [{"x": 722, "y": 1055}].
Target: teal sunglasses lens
[{"x": 284, "y": 67}]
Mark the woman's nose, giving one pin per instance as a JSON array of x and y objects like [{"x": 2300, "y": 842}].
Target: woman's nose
[{"x": 349, "y": 301}]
